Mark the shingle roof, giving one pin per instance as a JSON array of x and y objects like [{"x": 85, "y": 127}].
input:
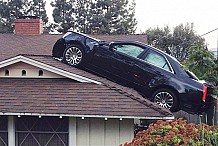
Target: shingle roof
[
  {"x": 50, "y": 96},
  {"x": 63, "y": 96}
]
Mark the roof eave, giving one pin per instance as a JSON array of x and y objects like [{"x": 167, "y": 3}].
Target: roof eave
[{"x": 90, "y": 116}]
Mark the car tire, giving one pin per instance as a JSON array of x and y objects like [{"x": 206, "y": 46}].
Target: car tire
[
  {"x": 74, "y": 55},
  {"x": 167, "y": 99}
]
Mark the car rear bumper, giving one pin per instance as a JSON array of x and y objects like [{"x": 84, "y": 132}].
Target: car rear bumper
[{"x": 202, "y": 107}]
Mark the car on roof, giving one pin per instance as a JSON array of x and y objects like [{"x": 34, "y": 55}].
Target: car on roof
[{"x": 153, "y": 73}]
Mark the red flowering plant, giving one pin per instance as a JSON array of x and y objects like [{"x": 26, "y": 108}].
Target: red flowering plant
[{"x": 176, "y": 133}]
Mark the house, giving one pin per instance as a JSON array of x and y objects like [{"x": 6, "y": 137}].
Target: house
[{"x": 45, "y": 102}]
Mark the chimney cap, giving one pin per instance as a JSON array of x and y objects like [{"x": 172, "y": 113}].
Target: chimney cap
[{"x": 28, "y": 17}]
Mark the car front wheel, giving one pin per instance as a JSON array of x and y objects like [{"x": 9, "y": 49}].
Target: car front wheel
[
  {"x": 167, "y": 99},
  {"x": 73, "y": 55}
]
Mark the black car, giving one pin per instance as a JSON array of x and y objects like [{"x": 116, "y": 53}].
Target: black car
[{"x": 153, "y": 73}]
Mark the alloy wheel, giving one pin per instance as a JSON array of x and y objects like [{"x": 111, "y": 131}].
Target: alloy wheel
[
  {"x": 164, "y": 99},
  {"x": 73, "y": 56}
]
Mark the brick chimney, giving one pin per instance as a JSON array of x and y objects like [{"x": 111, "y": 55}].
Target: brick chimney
[{"x": 28, "y": 26}]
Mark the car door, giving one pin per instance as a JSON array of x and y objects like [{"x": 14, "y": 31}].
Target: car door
[
  {"x": 123, "y": 60},
  {"x": 100, "y": 61},
  {"x": 151, "y": 70}
]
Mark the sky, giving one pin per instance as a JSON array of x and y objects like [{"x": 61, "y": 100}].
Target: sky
[{"x": 153, "y": 13}]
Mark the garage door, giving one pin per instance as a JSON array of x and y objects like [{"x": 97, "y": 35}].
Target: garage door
[{"x": 44, "y": 131}]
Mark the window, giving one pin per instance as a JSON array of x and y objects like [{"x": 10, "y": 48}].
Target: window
[
  {"x": 40, "y": 73},
  {"x": 44, "y": 131},
  {"x": 157, "y": 60},
  {"x": 23, "y": 72},
  {"x": 6, "y": 72},
  {"x": 130, "y": 50}
]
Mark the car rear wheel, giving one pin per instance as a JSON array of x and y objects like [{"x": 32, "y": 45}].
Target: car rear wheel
[
  {"x": 167, "y": 99},
  {"x": 73, "y": 55}
]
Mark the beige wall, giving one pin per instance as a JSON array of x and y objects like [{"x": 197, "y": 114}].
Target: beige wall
[
  {"x": 101, "y": 132},
  {"x": 15, "y": 70}
]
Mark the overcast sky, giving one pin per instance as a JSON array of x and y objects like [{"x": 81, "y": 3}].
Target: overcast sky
[{"x": 153, "y": 13}]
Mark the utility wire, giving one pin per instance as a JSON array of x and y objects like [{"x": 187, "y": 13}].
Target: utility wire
[
  {"x": 200, "y": 36},
  {"x": 209, "y": 32}
]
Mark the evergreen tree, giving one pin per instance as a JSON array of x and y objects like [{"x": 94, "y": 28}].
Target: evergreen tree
[
  {"x": 18, "y": 7},
  {"x": 37, "y": 8},
  {"x": 82, "y": 15},
  {"x": 10, "y": 9},
  {"x": 113, "y": 17},
  {"x": 95, "y": 16},
  {"x": 4, "y": 14},
  {"x": 64, "y": 14}
]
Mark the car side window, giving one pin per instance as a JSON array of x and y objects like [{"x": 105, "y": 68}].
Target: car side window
[
  {"x": 130, "y": 50},
  {"x": 157, "y": 59}
]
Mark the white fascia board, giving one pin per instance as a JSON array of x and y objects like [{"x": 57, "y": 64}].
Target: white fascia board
[
  {"x": 90, "y": 116},
  {"x": 52, "y": 69},
  {"x": 9, "y": 61}
]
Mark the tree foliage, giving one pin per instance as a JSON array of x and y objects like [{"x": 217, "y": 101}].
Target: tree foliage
[
  {"x": 63, "y": 14},
  {"x": 10, "y": 9},
  {"x": 95, "y": 16},
  {"x": 175, "y": 42},
  {"x": 37, "y": 8},
  {"x": 202, "y": 63}
]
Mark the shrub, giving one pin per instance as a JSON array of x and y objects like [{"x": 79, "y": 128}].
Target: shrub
[{"x": 176, "y": 133}]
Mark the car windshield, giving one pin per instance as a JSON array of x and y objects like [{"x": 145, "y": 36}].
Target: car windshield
[{"x": 188, "y": 72}]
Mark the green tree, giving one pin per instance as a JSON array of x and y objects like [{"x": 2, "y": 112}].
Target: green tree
[
  {"x": 202, "y": 63},
  {"x": 113, "y": 17},
  {"x": 160, "y": 38},
  {"x": 175, "y": 42},
  {"x": 11, "y": 9},
  {"x": 4, "y": 17},
  {"x": 95, "y": 16},
  {"x": 83, "y": 14},
  {"x": 37, "y": 8},
  {"x": 8, "y": 10},
  {"x": 64, "y": 14}
]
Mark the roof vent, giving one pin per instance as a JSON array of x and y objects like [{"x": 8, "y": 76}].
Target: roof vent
[{"x": 28, "y": 25}]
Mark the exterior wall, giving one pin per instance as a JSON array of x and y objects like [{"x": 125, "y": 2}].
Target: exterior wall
[
  {"x": 15, "y": 70},
  {"x": 101, "y": 132},
  {"x": 82, "y": 132}
]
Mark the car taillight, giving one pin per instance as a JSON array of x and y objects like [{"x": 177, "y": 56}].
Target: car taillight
[{"x": 204, "y": 93}]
